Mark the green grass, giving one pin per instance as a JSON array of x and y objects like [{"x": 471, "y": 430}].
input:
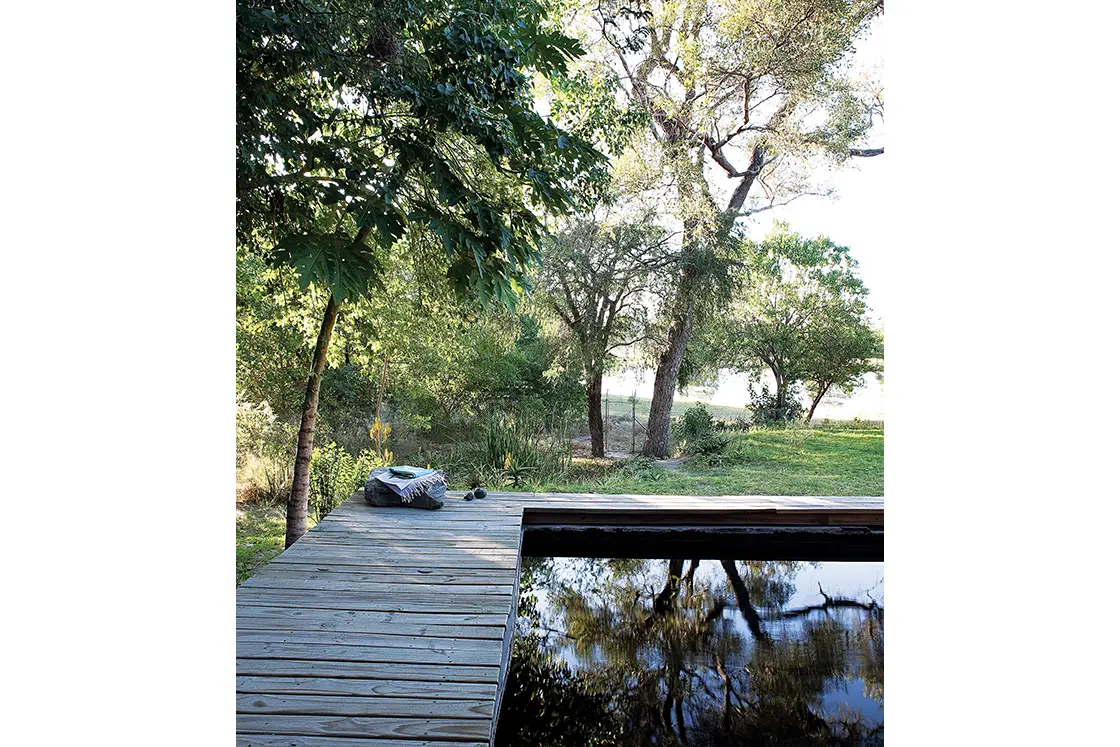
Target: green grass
[
  {"x": 619, "y": 404},
  {"x": 260, "y": 536},
  {"x": 823, "y": 460}
]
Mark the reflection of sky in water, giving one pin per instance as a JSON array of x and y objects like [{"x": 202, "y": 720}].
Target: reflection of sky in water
[{"x": 860, "y": 581}]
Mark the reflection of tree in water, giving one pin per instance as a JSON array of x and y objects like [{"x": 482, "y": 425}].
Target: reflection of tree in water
[{"x": 679, "y": 657}]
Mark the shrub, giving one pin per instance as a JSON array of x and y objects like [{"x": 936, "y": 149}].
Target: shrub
[
  {"x": 512, "y": 450},
  {"x": 640, "y": 468},
  {"x": 264, "y": 454},
  {"x": 260, "y": 433},
  {"x": 768, "y": 412},
  {"x": 696, "y": 432},
  {"x": 265, "y": 479},
  {"x": 336, "y": 474},
  {"x": 733, "y": 425}
]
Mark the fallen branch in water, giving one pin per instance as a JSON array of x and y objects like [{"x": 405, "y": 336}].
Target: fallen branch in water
[{"x": 829, "y": 603}]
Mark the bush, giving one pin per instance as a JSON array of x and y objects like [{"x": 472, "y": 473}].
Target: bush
[
  {"x": 636, "y": 468},
  {"x": 733, "y": 425},
  {"x": 767, "y": 410},
  {"x": 265, "y": 479},
  {"x": 513, "y": 450},
  {"x": 696, "y": 432},
  {"x": 336, "y": 474},
  {"x": 260, "y": 433},
  {"x": 264, "y": 454}
]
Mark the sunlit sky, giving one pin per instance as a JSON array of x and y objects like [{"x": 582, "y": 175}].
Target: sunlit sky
[{"x": 853, "y": 216}]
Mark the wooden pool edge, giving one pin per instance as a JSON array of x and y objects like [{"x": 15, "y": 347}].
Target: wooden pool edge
[{"x": 769, "y": 519}]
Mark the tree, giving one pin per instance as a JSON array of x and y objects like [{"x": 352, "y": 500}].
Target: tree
[
  {"x": 595, "y": 276},
  {"x": 800, "y": 307},
  {"x": 365, "y": 126},
  {"x": 753, "y": 91},
  {"x": 839, "y": 351}
]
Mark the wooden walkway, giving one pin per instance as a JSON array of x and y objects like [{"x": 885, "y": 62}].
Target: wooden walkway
[{"x": 391, "y": 626}]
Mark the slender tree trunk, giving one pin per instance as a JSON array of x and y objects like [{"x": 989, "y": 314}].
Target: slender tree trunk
[
  {"x": 595, "y": 410},
  {"x": 301, "y": 482},
  {"x": 816, "y": 401}
]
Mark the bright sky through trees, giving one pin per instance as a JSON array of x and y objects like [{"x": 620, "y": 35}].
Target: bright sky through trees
[{"x": 851, "y": 217}]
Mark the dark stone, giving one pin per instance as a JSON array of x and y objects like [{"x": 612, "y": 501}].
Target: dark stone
[{"x": 379, "y": 494}]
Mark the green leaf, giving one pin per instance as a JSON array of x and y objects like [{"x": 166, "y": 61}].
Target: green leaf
[{"x": 335, "y": 260}]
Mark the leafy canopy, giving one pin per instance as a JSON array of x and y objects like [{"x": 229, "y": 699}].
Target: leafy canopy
[
  {"x": 800, "y": 309},
  {"x": 598, "y": 275},
  {"x": 361, "y": 123}
]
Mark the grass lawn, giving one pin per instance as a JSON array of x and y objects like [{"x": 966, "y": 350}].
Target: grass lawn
[
  {"x": 823, "y": 460},
  {"x": 619, "y": 404},
  {"x": 799, "y": 461},
  {"x": 260, "y": 536}
]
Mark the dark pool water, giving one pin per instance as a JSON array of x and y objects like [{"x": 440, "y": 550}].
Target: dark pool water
[{"x": 659, "y": 652}]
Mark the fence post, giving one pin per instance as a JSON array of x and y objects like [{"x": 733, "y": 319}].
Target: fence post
[
  {"x": 633, "y": 420},
  {"x": 606, "y": 419}
]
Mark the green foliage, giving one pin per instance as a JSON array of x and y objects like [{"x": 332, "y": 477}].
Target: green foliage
[
  {"x": 696, "y": 433},
  {"x": 264, "y": 454},
  {"x": 273, "y": 331},
  {"x": 640, "y": 468},
  {"x": 770, "y": 409},
  {"x": 265, "y": 479},
  {"x": 335, "y": 475},
  {"x": 545, "y": 704},
  {"x": 586, "y": 102},
  {"x": 395, "y": 118},
  {"x": 337, "y": 261},
  {"x": 799, "y": 314},
  {"x": 260, "y": 432},
  {"x": 840, "y": 350},
  {"x": 597, "y": 276},
  {"x": 346, "y": 397},
  {"x": 508, "y": 451}
]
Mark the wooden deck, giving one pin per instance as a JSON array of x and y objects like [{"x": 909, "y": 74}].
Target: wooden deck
[{"x": 391, "y": 626}]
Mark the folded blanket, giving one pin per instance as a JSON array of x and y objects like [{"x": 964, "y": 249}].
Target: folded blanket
[{"x": 406, "y": 486}]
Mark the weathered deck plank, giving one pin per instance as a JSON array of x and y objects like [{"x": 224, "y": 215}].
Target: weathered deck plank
[{"x": 391, "y": 626}]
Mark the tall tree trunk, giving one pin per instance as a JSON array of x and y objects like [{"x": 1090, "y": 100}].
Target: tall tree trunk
[
  {"x": 689, "y": 575},
  {"x": 301, "y": 482},
  {"x": 816, "y": 401},
  {"x": 668, "y": 368},
  {"x": 743, "y": 600},
  {"x": 595, "y": 410},
  {"x": 666, "y": 599}
]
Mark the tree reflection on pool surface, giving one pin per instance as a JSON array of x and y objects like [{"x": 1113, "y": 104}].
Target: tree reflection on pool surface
[{"x": 672, "y": 652}]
